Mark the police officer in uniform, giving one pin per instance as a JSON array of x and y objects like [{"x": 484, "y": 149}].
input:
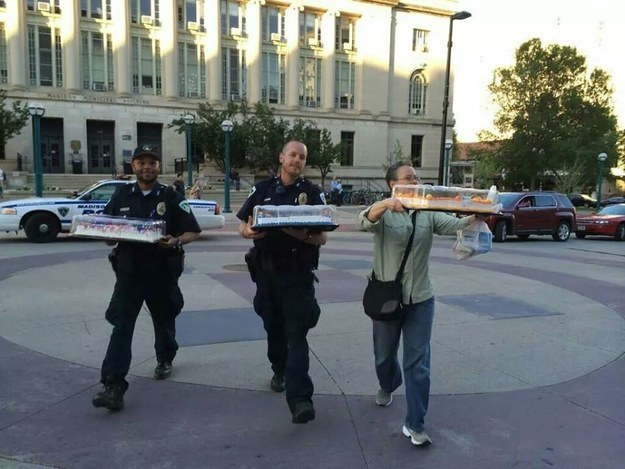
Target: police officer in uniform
[
  {"x": 145, "y": 272},
  {"x": 282, "y": 264}
]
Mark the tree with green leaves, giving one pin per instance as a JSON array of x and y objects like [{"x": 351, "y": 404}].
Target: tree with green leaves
[
  {"x": 555, "y": 116},
  {"x": 325, "y": 155},
  {"x": 12, "y": 120}
]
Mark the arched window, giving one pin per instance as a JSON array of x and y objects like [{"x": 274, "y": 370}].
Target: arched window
[{"x": 417, "y": 93}]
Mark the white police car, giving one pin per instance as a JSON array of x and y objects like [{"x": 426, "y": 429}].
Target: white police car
[{"x": 44, "y": 218}]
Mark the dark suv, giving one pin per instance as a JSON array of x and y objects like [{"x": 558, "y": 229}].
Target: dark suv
[{"x": 527, "y": 213}]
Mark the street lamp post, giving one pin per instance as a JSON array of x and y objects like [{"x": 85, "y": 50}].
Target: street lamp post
[
  {"x": 227, "y": 126},
  {"x": 189, "y": 120},
  {"x": 448, "y": 144},
  {"x": 461, "y": 15},
  {"x": 37, "y": 111},
  {"x": 601, "y": 157}
]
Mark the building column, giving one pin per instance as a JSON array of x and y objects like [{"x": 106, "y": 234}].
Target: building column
[
  {"x": 292, "y": 57},
  {"x": 70, "y": 37},
  {"x": 254, "y": 51},
  {"x": 16, "y": 32},
  {"x": 212, "y": 22},
  {"x": 328, "y": 33},
  {"x": 169, "y": 49},
  {"x": 122, "y": 46}
]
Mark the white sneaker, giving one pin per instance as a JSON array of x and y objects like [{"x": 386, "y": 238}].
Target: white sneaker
[
  {"x": 383, "y": 398},
  {"x": 416, "y": 438}
]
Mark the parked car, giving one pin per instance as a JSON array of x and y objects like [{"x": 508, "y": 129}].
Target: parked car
[
  {"x": 527, "y": 213},
  {"x": 43, "y": 219},
  {"x": 612, "y": 201},
  {"x": 609, "y": 221},
  {"x": 582, "y": 200}
]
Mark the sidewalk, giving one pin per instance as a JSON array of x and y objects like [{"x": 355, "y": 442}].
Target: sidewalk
[{"x": 528, "y": 367}]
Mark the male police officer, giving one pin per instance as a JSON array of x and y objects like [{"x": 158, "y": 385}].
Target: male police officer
[
  {"x": 282, "y": 263},
  {"x": 145, "y": 272}
]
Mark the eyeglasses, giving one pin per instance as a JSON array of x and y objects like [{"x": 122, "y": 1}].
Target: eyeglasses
[{"x": 410, "y": 178}]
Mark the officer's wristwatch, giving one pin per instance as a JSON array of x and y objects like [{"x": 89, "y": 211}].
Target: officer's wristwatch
[{"x": 178, "y": 244}]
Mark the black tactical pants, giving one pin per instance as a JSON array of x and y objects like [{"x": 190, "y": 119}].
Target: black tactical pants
[
  {"x": 286, "y": 303},
  {"x": 159, "y": 289}
]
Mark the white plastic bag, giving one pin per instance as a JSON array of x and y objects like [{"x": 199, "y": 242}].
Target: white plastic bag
[{"x": 474, "y": 239}]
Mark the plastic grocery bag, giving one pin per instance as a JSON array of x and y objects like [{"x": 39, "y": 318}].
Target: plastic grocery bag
[{"x": 474, "y": 239}]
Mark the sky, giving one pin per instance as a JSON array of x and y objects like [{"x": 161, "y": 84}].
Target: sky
[{"x": 490, "y": 37}]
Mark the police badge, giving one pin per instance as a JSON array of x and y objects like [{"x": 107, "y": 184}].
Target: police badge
[
  {"x": 161, "y": 208},
  {"x": 302, "y": 198}
]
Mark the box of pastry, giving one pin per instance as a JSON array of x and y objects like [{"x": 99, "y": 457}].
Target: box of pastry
[
  {"x": 117, "y": 228},
  {"x": 448, "y": 199},
  {"x": 312, "y": 217}
]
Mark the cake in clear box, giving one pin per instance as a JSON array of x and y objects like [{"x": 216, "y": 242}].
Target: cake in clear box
[
  {"x": 306, "y": 216},
  {"x": 448, "y": 199},
  {"x": 117, "y": 228}
]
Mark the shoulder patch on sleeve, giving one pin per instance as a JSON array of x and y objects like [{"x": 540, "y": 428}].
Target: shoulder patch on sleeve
[{"x": 184, "y": 205}]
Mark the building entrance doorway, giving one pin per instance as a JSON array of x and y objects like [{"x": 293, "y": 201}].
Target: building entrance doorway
[
  {"x": 52, "y": 145},
  {"x": 100, "y": 147}
]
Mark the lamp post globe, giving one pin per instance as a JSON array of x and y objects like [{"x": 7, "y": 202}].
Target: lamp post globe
[
  {"x": 461, "y": 15},
  {"x": 37, "y": 111},
  {"x": 189, "y": 120},
  {"x": 227, "y": 125},
  {"x": 601, "y": 157}
]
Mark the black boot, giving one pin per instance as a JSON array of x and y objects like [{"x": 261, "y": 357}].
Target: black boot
[
  {"x": 277, "y": 383},
  {"x": 162, "y": 370},
  {"x": 112, "y": 397},
  {"x": 303, "y": 411}
]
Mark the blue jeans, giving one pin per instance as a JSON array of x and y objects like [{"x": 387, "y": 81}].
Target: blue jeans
[{"x": 416, "y": 328}]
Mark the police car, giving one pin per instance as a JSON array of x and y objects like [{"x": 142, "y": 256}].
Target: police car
[{"x": 43, "y": 219}]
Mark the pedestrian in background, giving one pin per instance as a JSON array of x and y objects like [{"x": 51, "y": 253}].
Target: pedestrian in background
[
  {"x": 282, "y": 263},
  {"x": 179, "y": 185},
  {"x": 145, "y": 273},
  {"x": 392, "y": 226},
  {"x": 196, "y": 190}
]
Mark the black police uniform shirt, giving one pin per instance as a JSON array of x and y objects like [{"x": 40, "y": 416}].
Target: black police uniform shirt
[
  {"x": 162, "y": 203},
  {"x": 273, "y": 192}
]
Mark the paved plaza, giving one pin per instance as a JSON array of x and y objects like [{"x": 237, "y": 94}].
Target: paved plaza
[{"x": 528, "y": 365}]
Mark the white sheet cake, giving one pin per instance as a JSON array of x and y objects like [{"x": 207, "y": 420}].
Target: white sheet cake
[
  {"x": 117, "y": 228},
  {"x": 448, "y": 199},
  {"x": 294, "y": 215}
]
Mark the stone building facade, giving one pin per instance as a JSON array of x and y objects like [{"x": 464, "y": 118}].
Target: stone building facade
[{"x": 112, "y": 74}]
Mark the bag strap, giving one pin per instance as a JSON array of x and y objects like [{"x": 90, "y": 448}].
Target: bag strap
[{"x": 400, "y": 272}]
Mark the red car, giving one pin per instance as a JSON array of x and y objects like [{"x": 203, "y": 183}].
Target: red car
[{"x": 609, "y": 221}]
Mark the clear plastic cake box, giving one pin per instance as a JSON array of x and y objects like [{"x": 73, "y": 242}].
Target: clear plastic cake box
[
  {"x": 311, "y": 217},
  {"x": 448, "y": 199},
  {"x": 111, "y": 228}
]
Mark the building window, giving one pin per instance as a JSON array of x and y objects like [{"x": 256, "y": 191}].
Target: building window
[
  {"x": 97, "y": 61},
  {"x": 273, "y": 24},
  {"x": 310, "y": 29},
  {"x": 3, "y": 4},
  {"x": 344, "y": 84},
  {"x": 95, "y": 9},
  {"x": 309, "y": 81},
  {"x": 47, "y": 6},
  {"x": 4, "y": 69},
  {"x": 417, "y": 94},
  {"x": 45, "y": 62},
  {"x": 234, "y": 74},
  {"x": 192, "y": 70},
  {"x": 147, "y": 12},
  {"x": 190, "y": 15},
  {"x": 347, "y": 145},
  {"x": 146, "y": 66},
  {"x": 273, "y": 70},
  {"x": 345, "y": 39},
  {"x": 419, "y": 40},
  {"x": 416, "y": 150},
  {"x": 232, "y": 18}
]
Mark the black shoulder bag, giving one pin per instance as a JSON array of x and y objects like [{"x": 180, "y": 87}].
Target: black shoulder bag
[{"x": 382, "y": 300}]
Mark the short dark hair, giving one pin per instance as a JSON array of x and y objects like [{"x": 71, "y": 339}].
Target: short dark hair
[
  {"x": 179, "y": 175},
  {"x": 391, "y": 172}
]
